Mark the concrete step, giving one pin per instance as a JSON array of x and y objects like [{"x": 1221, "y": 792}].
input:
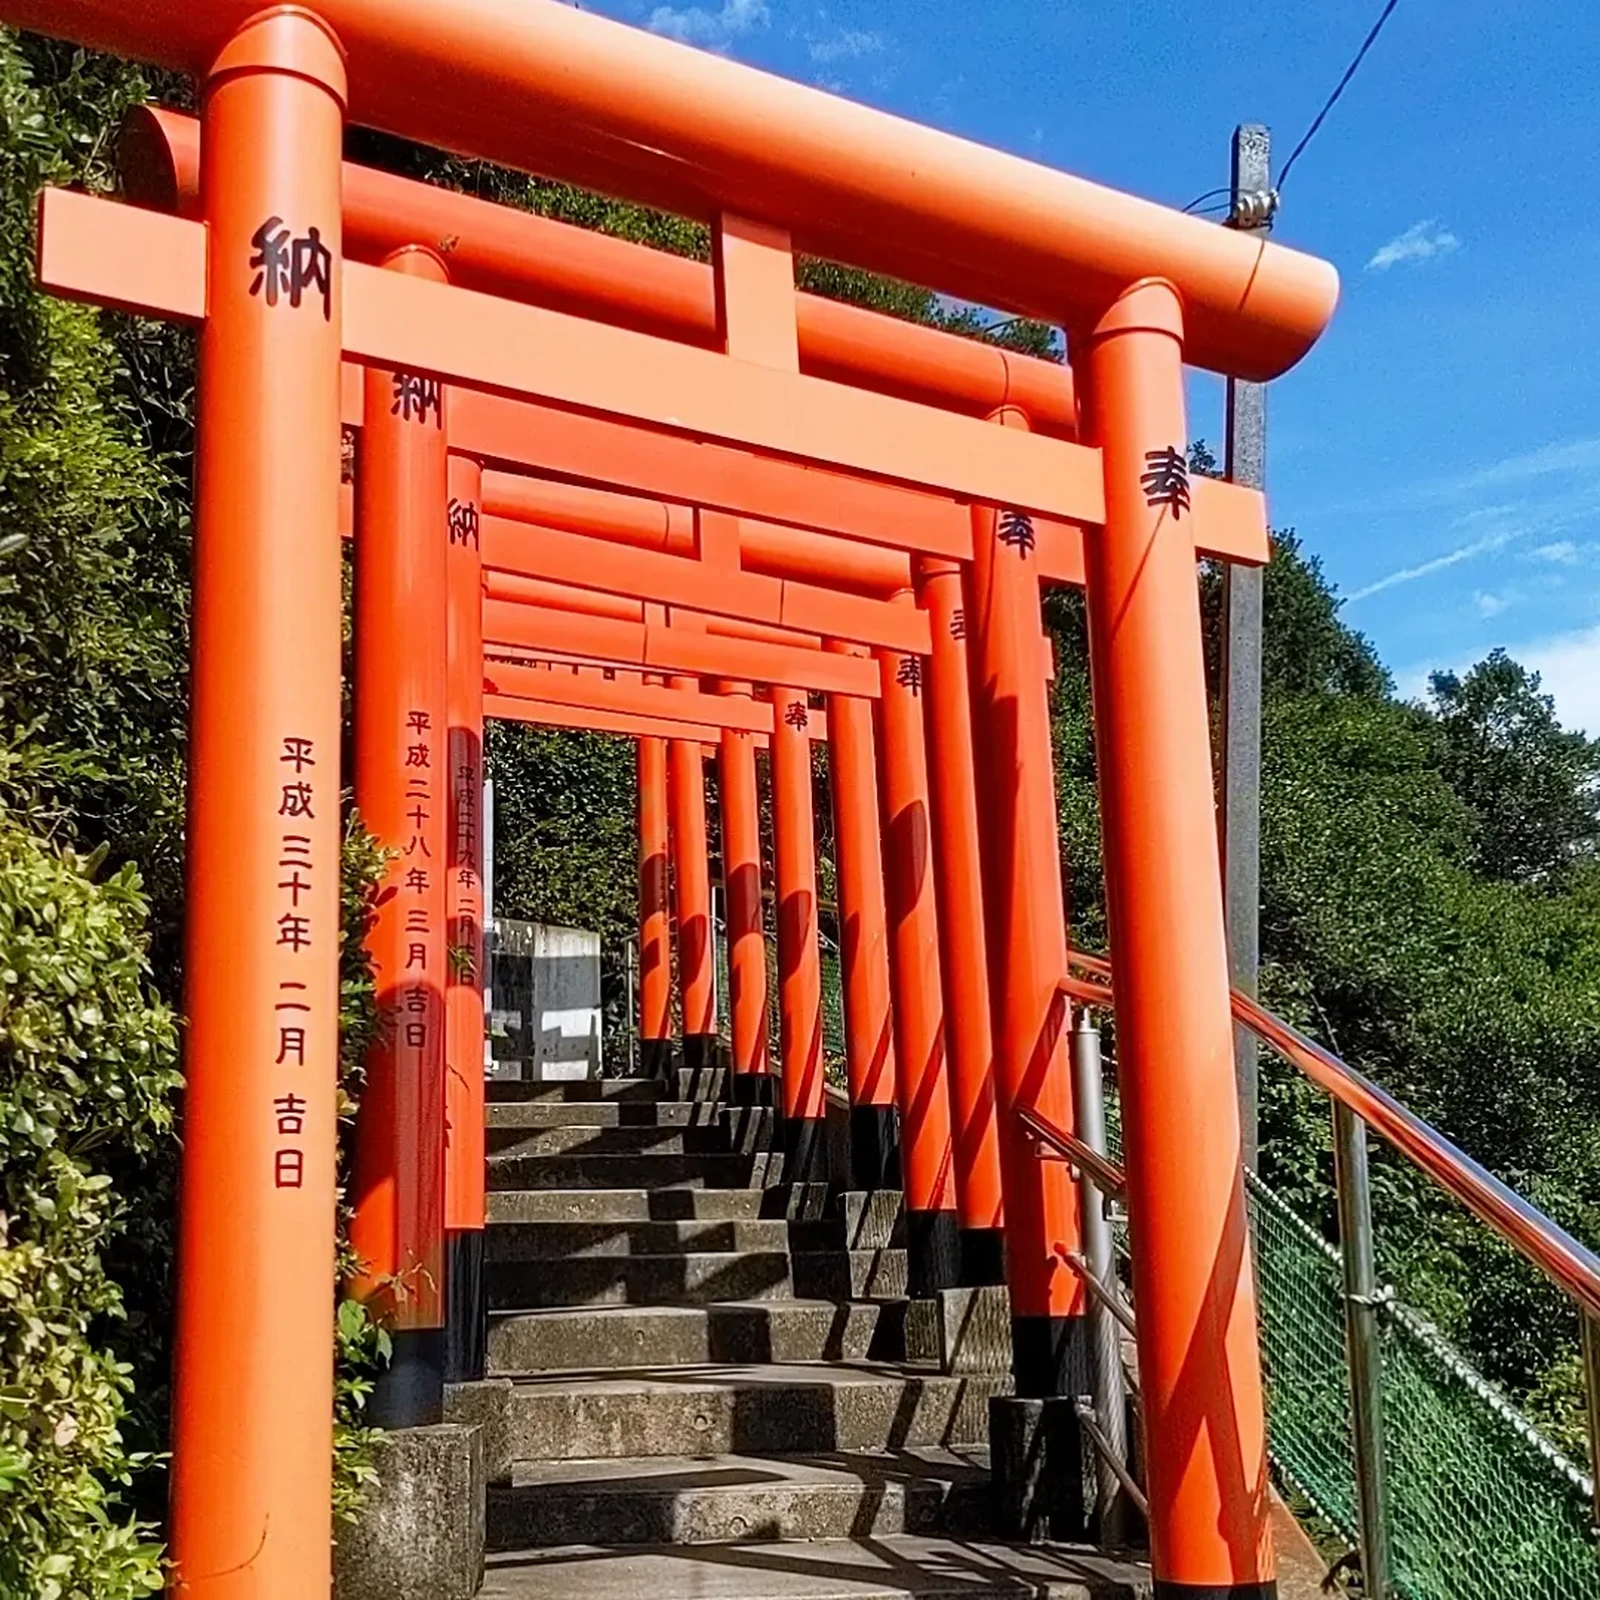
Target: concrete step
[
  {"x": 603, "y": 1114},
  {"x": 725, "y": 1498},
  {"x": 575, "y": 1091},
  {"x": 634, "y": 1171},
  {"x": 857, "y": 1219},
  {"x": 607, "y": 1337},
  {"x": 700, "y": 1083},
  {"x": 850, "y": 1274},
  {"x": 640, "y": 1280},
  {"x": 594, "y": 1206},
  {"x": 548, "y": 1241},
  {"x": 754, "y": 1410},
  {"x": 914, "y": 1566},
  {"x": 590, "y": 1141}
]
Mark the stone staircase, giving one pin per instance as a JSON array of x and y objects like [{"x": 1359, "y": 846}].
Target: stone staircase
[{"x": 709, "y": 1393}]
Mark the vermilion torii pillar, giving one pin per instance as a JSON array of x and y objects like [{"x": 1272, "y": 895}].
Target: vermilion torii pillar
[
  {"x": 402, "y": 751},
  {"x": 1199, "y": 1366},
  {"x": 253, "y": 1379},
  {"x": 799, "y": 961},
  {"x": 655, "y": 954},
  {"x": 933, "y": 1246},
  {"x": 863, "y": 941},
  {"x": 741, "y": 878},
  {"x": 962, "y": 948},
  {"x": 691, "y": 895},
  {"x": 1025, "y": 929},
  {"x": 466, "y": 1329}
]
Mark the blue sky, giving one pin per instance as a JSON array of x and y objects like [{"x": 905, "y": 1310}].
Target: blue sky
[{"x": 1440, "y": 449}]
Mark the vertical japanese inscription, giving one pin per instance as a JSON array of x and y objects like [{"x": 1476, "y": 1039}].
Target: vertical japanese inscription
[
  {"x": 298, "y": 800},
  {"x": 415, "y": 1015}
]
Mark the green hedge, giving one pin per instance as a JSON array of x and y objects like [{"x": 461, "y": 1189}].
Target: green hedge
[{"x": 87, "y": 1082}]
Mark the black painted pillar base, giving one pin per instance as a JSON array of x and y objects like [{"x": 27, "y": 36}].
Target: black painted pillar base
[
  {"x": 805, "y": 1150},
  {"x": 1050, "y": 1356},
  {"x": 983, "y": 1257},
  {"x": 933, "y": 1252},
  {"x": 655, "y": 1058},
  {"x": 409, "y": 1392},
  {"x": 1042, "y": 1482},
  {"x": 700, "y": 1051},
  {"x": 466, "y": 1310},
  {"x": 752, "y": 1089},
  {"x": 874, "y": 1148}
]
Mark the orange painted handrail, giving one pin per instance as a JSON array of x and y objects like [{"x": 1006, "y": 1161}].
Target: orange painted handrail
[
  {"x": 547, "y": 88},
  {"x": 1572, "y": 1267}
]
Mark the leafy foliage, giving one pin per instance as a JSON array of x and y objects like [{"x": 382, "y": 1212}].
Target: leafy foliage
[
  {"x": 87, "y": 1076},
  {"x": 361, "y": 1344}
]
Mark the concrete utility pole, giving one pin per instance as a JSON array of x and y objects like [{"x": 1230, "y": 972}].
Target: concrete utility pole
[{"x": 1245, "y": 462}]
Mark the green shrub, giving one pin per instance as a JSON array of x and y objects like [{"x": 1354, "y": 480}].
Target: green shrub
[{"x": 87, "y": 1081}]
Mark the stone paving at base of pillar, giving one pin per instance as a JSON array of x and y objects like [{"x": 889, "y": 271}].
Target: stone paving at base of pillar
[{"x": 865, "y": 1569}]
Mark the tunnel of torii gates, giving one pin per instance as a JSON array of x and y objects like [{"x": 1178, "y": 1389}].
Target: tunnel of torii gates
[{"x": 709, "y": 498}]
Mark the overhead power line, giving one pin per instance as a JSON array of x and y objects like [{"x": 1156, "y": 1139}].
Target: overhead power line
[{"x": 1264, "y": 207}]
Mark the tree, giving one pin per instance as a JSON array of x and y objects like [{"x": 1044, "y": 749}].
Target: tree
[{"x": 1533, "y": 785}]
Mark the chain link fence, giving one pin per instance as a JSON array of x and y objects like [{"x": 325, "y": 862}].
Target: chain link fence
[{"x": 1480, "y": 1502}]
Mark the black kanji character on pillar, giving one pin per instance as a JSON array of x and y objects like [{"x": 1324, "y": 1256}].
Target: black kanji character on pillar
[
  {"x": 296, "y": 801},
  {"x": 416, "y": 1034},
  {"x": 295, "y": 884},
  {"x": 284, "y": 265},
  {"x": 298, "y": 751},
  {"x": 289, "y": 1169},
  {"x": 291, "y": 1113},
  {"x": 463, "y": 523},
  {"x": 1016, "y": 530},
  {"x": 909, "y": 674},
  {"x": 291, "y": 1047},
  {"x": 416, "y": 956},
  {"x": 795, "y": 714},
  {"x": 1166, "y": 481},
  {"x": 294, "y": 931},
  {"x": 414, "y": 397},
  {"x": 418, "y": 721},
  {"x": 418, "y": 755},
  {"x": 417, "y": 880},
  {"x": 958, "y": 623}
]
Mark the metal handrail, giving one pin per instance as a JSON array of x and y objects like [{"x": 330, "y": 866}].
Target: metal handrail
[
  {"x": 1569, "y": 1265},
  {"x": 1108, "y": 1177}
]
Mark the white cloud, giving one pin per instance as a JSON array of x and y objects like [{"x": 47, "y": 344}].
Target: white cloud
[
  {"x": 849, "y": 44},
  {"x": 1426, "y": 569},
  {"x": 1564, "y": 553},
  {"x": 1422, "y": 241},
  {"x": 1489, "y": 605},
  {"x": 714, "y": 27}
]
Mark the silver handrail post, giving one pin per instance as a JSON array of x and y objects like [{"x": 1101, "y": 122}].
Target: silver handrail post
[
  {"x": 1591, "y": 1397},
  {"x": 1099, "y": 1252},
  {"x": 1364, "y": 1351}
]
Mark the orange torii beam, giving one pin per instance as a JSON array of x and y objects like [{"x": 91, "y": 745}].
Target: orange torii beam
[
  {"x": 549, "y": 89},
  {"x": 485, "y": 344},
  {"x": 524, "y": 257},
  {"x": 649, "y": 647},
  {"x": 772, "y": 550},
  {"x": 154, "y": 265}
]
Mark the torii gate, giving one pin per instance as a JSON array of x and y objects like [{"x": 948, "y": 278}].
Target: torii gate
[{"x": 279, "y": 304}]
